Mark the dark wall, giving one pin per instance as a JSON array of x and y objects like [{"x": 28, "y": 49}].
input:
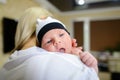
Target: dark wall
[
  {"x": 104, "y": 34},
  {"x": 9, "y": 29}
]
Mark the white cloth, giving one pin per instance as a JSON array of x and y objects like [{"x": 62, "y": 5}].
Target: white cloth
[{"x": 37, "y": 64}]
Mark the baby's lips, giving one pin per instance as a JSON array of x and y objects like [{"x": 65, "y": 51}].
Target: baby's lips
[{"x": 62, "y": 50}]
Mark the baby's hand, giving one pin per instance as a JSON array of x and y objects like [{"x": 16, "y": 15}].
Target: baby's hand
[{"x": 88, "y": 59}]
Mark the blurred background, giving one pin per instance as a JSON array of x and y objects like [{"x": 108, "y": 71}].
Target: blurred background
[{"x": 94, "y": 23}]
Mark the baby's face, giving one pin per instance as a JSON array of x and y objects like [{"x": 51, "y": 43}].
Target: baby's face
[{"x": 57, "y": 40}]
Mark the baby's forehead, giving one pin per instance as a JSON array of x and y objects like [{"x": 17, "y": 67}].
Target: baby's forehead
[{"x": 55, "y": 32}]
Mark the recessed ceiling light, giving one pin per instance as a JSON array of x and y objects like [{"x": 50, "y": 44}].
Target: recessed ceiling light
[{"x": 80, "y": 2}]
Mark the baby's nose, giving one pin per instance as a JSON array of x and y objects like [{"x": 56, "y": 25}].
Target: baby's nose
[{"x": 57, "y": 41}]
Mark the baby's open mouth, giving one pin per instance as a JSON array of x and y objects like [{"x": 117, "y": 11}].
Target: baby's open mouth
[{"x": 62, "y": 50}]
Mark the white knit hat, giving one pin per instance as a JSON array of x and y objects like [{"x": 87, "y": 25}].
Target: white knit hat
[{"x": 44, "y": 25}]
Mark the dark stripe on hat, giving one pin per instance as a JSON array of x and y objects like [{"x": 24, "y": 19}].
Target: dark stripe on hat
[{"x": 48, "y": 27}]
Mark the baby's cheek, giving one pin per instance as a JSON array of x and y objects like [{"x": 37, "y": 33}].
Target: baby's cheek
[
  {"x": 70, "y": 49},
  {"x": 47, "y": 48},
  {"x": 51, "y": 49}
]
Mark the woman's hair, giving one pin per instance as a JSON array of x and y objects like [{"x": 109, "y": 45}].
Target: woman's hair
[{"x": 27, "y": 25}]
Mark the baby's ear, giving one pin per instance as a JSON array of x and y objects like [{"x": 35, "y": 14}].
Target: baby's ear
[{"x": 74, "y": 43}]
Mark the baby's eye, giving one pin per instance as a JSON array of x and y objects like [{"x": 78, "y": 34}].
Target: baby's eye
[
  {"x": 49, "y": 41},
  {"x": 61, "y": 34}
]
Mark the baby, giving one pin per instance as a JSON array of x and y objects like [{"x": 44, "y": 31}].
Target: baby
[{"x": 53, "y": 36}]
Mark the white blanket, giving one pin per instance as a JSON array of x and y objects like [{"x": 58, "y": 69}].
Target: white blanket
[{"x": 37, "y": 64}]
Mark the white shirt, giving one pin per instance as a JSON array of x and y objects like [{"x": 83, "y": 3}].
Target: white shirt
[{"x": 37, "y": 64}]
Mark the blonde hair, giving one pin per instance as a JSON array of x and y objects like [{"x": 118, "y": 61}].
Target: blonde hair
[{"x": 27, "y": 25}]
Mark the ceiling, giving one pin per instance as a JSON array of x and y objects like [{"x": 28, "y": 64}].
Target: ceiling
[
  {"x": 71, "y": 5},
  {"x": 66, "y": 6}
]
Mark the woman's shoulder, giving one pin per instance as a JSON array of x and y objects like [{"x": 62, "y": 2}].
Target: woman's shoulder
[{"x": 54, "y": 58}]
